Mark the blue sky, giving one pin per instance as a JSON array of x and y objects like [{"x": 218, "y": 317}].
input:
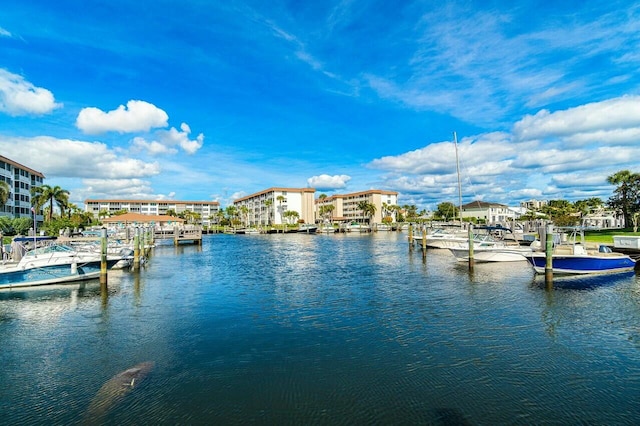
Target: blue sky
[{"x": 202, "y": 100}]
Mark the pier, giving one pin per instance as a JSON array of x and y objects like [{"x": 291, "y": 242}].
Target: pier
[{"x": 189, "y": 234}]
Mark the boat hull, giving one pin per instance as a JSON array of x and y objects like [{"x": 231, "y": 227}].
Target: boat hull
[
  {"x": 490, "y": 255},
  {"x": 58, "y": 274},
  {"x": 583, "y": 264}
]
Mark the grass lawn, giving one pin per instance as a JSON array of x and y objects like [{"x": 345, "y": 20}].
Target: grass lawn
[{"x": 606, "y": 235}]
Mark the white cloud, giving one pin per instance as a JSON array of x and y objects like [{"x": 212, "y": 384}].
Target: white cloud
[
  {"x": 135, "y": 117},
  {"x": 237, "y": 195},
  {"x": 153, "y": 147},
  {"x": 326, "y": 182},
  {"x": 4, "y": 33},
  {"x": 168, "y": 139},
  {"x": 586, "y": 121},
  {"x": 19, "y": 97},
  {"x": 485, "y": 153},
  {"x": 71, "y": 158}
]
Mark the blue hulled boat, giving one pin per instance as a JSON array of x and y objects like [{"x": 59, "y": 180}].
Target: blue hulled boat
[{"x": 577, "y": 257}]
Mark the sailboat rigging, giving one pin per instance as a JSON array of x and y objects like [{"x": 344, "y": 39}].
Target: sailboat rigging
[{"x": 455, "y": 144}]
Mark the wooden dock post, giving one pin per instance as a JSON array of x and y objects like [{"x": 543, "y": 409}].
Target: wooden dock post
[
  {"x": 548, "y": 251},
  {"x": 103, "y": 259},
  {"x": 472, "y": 260},
  {"x": 147, "y": 238},
  {"x": 136, "y": 249},
  {"x": 410, "y": 236},
  {"x": 424, "y": 241}
]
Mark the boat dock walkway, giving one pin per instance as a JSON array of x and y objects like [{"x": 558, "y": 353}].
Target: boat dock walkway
[{"x": 180, "y": 235}]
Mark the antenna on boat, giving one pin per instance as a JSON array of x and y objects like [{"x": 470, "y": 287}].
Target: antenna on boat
[{"x": 455, "y": 144}]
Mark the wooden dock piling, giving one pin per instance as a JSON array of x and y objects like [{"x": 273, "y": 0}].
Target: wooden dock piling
[
  {"x": 471, "y": 258},
  {"x": 136, "y": 249},
  {"x": 548, "y": 267},
  {"x": 410, "y": 236},
  {"x": 103, "y": 259}
]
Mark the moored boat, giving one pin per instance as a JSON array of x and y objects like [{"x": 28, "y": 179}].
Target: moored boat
[
  {"x": 579, "y": 260},
  {"x": 307, "y": 228},
  {"x": 578, "y": 257},
  {"x": 56, "y": 274},
  {"x": 496, "y": 253}
]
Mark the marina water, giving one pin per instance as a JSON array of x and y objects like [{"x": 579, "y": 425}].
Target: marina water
[{"x": 323, "y": 329}]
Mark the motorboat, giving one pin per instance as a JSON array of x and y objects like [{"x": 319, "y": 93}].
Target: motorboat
[{"x": 578, "y": 257}]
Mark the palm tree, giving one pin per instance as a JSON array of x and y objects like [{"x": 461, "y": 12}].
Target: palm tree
[
  {"x": 624, "y": 199},
  {"x": 370, "y": 211},
  {"x": 268, "y": 203},
  {"x": 244, "y": 211},
  {"x": 47, "y": 194},
  {"x": 5, "y": 191},
  {"x": 291, "y": 215},
  {"x": 231, "y": 212},
  {"x": 281, "y": 199}
]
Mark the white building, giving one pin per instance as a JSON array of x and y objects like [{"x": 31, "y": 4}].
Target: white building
[
  {"x": 533, "y": 204},
  {"x": 490, "y": 213},
  {"x": 345, "y": 206},
  {"x": 20, "y": 180},
  {"x": 208, "y": 210},
  {"x": 268, "y": 207}
]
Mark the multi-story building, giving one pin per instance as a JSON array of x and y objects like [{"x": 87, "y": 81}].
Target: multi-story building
[
  {"x": 345, "y": 206},
  {"x": 20, "y": 180},
  {"x": 268, "y": 207},
  {"x": 490, "y": 213},
  {"x": 533, "y": 204},
  {"x": 208, "y": 210}
]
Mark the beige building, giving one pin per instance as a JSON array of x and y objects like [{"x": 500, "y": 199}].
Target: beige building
[
  {"x": 20, "y": 180},
  {"x": 268, "y": 207},
  {"x": 345, "y": 206},
  {"x": 208, "y": 210}
]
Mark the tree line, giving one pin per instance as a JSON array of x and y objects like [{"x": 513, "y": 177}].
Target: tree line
[{"x": 625, "y": 200}]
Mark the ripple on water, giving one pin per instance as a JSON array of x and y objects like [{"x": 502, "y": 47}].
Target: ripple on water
[{"x": 344, "y": 329}]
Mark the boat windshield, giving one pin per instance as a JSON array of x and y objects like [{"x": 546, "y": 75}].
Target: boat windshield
[{"x": 54, "y": 248}]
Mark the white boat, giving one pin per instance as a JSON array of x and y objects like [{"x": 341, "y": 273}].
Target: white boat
[
  {"x": 357, "y": 227},
  {"x": 307, "y": 228},
  {"x": 577, "y": 257},
  {"x": 491, "y": 253},
  {"x": 53, "y": 264},
  {"x": 57, "y": 274},
  {"x": 58, "y": 255},
  {"x": 327, "y": 229},
  {"x": 442, "y": 239}
]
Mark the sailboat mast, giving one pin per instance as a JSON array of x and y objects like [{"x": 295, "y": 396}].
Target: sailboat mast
[{"x": 455, "y": 144}]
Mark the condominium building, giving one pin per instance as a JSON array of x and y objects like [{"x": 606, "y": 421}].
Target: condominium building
[
  {"x": 20, "y": 180},
  {"x": 208, "y": 210},
  {"x": 533, "y": 204},
  {"x": 269, "y": 207},
  {"x": 345, "y": 206}
]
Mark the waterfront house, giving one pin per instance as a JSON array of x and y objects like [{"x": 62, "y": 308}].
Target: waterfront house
[{"x": 487, "y": 212}]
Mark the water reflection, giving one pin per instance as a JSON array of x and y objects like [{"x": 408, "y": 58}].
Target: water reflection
[{"x": 316, "y": 329}]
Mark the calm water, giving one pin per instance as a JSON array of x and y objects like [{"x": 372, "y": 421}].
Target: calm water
[{"x": 323, "y": 329}]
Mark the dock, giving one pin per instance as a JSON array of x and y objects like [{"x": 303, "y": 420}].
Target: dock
[{"x": 191, "y": 234}]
